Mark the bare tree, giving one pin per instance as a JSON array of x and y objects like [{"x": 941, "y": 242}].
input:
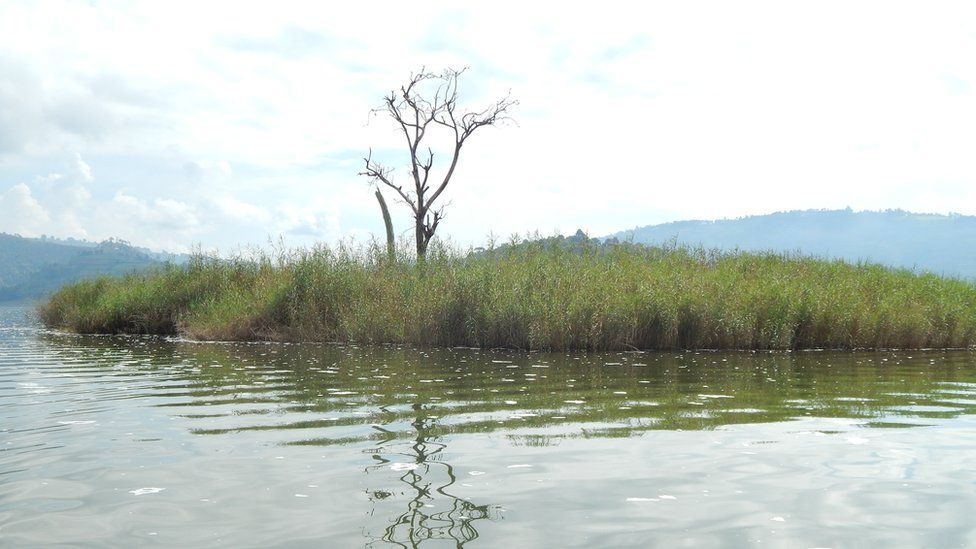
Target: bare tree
[{"x": 429, "y": 100}]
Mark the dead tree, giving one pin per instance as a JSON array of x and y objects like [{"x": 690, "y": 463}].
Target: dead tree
[
  {"x": 429, "y": 100},
  {"x": 390, "y": 240}
]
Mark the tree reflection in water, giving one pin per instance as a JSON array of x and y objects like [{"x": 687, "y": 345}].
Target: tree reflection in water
[{"x": 427, "y": 479}]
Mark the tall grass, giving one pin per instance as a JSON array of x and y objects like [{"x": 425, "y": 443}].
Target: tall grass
[{"x": 534, "y": 296}]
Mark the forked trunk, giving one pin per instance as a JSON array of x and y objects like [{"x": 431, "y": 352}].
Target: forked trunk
[{"x": 421, "y": 240}]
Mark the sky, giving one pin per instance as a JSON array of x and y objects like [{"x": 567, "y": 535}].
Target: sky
[{"x": 176, "y": 125}]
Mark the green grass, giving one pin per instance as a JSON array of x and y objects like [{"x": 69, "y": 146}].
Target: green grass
[{"x": 535, "y": 296}]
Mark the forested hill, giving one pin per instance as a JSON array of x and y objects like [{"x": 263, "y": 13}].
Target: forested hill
[
  {"x": 31, "y": 268},
  {"x": 942, "y": 244}
]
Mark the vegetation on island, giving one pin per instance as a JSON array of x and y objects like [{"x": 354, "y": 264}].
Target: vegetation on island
[{"x": 553, "y": 294}]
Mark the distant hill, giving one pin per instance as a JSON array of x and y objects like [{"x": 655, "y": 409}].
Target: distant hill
[
  {"x": 942, "y": 244},
  {"x": 30, "y": 268}
]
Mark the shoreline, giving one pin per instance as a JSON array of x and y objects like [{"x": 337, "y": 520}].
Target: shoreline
[{"x": 394, "y": 345}]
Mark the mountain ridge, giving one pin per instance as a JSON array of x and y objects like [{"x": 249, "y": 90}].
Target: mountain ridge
[{"x": 938, "y": 243}]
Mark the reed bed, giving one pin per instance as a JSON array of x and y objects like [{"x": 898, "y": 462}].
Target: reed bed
[{"x": 541, "y": 295}]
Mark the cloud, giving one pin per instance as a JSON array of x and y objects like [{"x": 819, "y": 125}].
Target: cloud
[
  {"x": 175, "y": 214},
  {"x": 240, "y": 211},
  {"x": 627, "y": 116},
  {"x": 161, "y": 213},
  {"x": 21, "y": 213},
  {"x": 117, "y": 90},
  {"x": 308, "y": 221},
  {"x": 40, "y": 114},
  {"x": 83, "y": 169},
  {"x": 625, "y": 48},
  {"x": 49, "y": 178},
  {"x": 207, "y": 171},
  {"x": 81, "y": 116},
  {"x": 291, "y": 42},
  {"x": 21, "y": 113}
]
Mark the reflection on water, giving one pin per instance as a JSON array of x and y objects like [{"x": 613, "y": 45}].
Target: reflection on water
[
  {"x": 427, "y": 489},
  {"x": 326, "y": 445},
  {"x": 321, "y": 395}
]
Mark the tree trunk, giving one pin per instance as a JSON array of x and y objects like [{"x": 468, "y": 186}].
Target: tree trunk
[
  {"x": 390, "y": 243},
  {"x": 421, "y": 239}
]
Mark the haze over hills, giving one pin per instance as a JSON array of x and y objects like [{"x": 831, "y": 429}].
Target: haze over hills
[
  {"x": 30, "y": 268},
  {"x": 941, "y": 244}
]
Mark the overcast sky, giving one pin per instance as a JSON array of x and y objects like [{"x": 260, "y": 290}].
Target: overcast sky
[{"x": 174, "y": 124}]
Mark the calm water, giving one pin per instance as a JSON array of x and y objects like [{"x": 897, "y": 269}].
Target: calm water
[{"x": 138, "y": 441}]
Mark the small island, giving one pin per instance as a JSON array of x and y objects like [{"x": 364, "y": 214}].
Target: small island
[{"x": 554, "y": 294}]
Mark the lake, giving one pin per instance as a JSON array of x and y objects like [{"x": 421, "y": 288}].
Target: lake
[{"x": 123, "y": 441}]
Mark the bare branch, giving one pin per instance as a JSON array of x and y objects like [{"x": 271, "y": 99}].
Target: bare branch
[
  {"x": 426, "y": 167},
  {"x": 430, "y": 98},
  {"x": 490, "y": 116},
  {"x": 378, "y": 173}
]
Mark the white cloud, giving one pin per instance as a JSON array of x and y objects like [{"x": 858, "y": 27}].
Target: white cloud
[
  {"x": 309, "y": 221},
  {"x": 49, "y": 178},
  {"x": 21, "y": 213},
  {"x": 174, "y": 214},
  {"x": 240, "y": 211},
  {"x": 83, "y": 169},
  {"x": 207, "y": 171},
  {"x": 161, "y": 213}
]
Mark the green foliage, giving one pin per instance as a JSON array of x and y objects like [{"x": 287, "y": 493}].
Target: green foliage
[{"x": 537, "y": 295}]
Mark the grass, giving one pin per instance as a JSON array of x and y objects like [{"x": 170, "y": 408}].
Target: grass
[{"x": 533, "y": 296}]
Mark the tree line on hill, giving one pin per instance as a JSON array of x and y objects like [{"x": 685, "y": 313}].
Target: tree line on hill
[{"x": 31, "y": 268}]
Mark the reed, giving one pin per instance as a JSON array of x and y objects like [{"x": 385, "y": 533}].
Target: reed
[{"x": 540, "y": 295}]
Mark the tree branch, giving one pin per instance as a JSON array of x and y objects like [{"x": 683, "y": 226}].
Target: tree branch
[
  {"x": 414, "y": 111},
  {"x": 378, "y": 173}
]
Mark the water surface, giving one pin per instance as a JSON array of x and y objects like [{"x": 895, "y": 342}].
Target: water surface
[{"x": 112, "y": 441}]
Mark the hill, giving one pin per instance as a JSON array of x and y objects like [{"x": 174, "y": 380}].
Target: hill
[
  {"x": 940, "y": 244},
  {"x": 31, "y": 268}
]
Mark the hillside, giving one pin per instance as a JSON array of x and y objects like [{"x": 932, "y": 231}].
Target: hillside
[
  {"x": 31, "y": 268},
  {"x": 941, "y": 244}
]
